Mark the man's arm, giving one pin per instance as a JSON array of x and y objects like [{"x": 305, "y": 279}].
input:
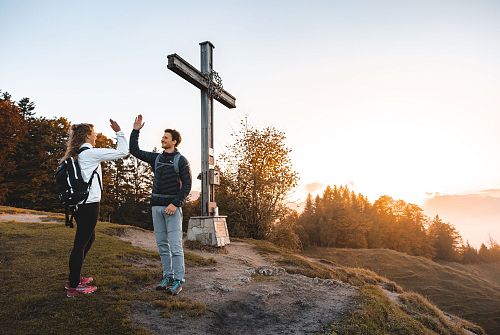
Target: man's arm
[
  {"x": 185, "y": 176},
  {"x": 146, "y": 156}
]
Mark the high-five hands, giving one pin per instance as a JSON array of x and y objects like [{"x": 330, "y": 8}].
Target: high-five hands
[{"x": 138, "y": 124}]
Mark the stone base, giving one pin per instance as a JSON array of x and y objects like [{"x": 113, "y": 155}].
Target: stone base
[{"x": 208, "y": 230}]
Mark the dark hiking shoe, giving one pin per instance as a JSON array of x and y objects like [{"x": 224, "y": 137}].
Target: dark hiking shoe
[
  {"x": 165, "y": 284},
  {"x": 176, "y": 287}
]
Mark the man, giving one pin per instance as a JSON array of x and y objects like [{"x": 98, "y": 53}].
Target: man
[{"x": 170, "y": 189}]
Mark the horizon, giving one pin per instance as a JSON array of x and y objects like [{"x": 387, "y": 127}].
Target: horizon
[{"x": 387, "y": 98}]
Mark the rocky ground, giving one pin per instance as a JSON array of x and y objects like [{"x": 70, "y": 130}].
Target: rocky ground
[{"x": 247, "y": 294}]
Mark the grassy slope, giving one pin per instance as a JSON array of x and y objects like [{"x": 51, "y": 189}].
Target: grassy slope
[
  {"x": 471, "y": 292},
  {"x": 375, "y": 311},
  {"x": 33, "y": 270}
]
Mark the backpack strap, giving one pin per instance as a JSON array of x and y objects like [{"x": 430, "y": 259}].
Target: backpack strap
[
  {"x": 68, "y": 222},
  {"x": 90, "y": 184},
  {"x": 176, "y": 162},
  {"x": 82, "y": 149},
  {"x": 90, "y": 181},
  {"x": 176, "y": 159},
  {"x": 157, "y": 160}
]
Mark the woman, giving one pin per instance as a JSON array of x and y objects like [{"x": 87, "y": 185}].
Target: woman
[{"x": 80, "y": 144}]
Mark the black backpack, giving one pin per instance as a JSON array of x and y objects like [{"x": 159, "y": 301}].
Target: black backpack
[{"x": 71, "y": 189}]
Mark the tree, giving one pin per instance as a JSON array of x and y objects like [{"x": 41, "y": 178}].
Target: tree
[
  {"x": 14, "y": 129},
  {"x": 283, "y": 232},
  {"x": 257, "y": 176},
  {"x": 445, "y": 240},
  {"x": 32, "y": 185},
  {"x": 469, "y": 254}
]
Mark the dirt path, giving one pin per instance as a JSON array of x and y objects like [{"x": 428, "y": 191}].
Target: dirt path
[
  {"x": 246, "y": 294},
  {"x": 27, "y": 218}
]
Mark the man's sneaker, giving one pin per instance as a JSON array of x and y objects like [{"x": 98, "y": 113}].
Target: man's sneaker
[
  {"x": 176, "y": 287},
  {"x": 165, "y": 284},
  {"x": 79, "y": 290},
  {"x": 83, "y": 281}
]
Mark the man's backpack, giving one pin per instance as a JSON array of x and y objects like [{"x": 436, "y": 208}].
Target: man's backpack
[
  {"x": 176, "y": 159},
  {"x": 70, "y": 186},
  {"x": 175, "y": 163}
]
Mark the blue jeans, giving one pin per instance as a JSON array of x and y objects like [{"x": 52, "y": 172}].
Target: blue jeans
[{"x": 168, "y": 233}]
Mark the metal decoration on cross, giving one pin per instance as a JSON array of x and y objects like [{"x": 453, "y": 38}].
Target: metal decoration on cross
[{"x": 210, "y": 85}]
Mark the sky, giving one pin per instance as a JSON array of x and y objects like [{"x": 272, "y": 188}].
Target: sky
[{"x": 398, "y": 98}]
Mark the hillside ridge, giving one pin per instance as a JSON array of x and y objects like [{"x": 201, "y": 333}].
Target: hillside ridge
[{"x": 250, "y": 287}]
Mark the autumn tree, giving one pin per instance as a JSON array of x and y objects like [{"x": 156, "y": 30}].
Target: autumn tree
[
  {"x": 445, "y": 239},
  {"x": 469, "y": 254},
  {"x": 13, "y": 131},
  {"x": 32, "y": 185},
  {"x": 257, "y": 175}
]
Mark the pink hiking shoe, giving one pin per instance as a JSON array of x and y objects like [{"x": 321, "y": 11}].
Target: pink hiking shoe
[
  {"x": 79, "y": 290},
  {"x": 83, "y": 281}
]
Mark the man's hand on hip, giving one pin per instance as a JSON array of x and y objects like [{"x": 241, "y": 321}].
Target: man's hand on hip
[{"x": 170, "y": 210}]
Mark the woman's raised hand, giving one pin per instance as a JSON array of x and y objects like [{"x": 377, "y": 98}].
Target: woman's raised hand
[{"x": 114, "y": 125}]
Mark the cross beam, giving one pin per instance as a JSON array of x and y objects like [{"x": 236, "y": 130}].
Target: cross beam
[
  {"x": 200, "y": 79},
  {"x": 178, "y": 65}
]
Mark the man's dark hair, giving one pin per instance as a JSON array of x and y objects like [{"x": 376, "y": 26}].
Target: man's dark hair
[{"x": 176, "y": 136}]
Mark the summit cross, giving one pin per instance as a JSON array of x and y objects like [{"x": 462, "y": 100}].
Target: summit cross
[{"x": 210, "y": 86}]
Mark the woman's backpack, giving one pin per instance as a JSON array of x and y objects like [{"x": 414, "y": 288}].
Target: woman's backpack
[{"x": 71, "y": 189}]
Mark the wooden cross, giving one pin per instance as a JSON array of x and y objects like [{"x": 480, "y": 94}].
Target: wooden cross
[{"x": 202, "y": 80}]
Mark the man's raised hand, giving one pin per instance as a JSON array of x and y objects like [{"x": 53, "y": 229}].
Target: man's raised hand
[{"x": 138, "y": 124}]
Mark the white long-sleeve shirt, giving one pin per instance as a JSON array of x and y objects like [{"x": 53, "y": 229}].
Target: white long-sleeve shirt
[{"x": 91, "y": 159}]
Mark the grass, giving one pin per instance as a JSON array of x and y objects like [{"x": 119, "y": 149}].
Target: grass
[
  {"x": 33, "y": 270},
  {"x": 432, "y": 317},
  {"x": 376, "y": 314},
  {"x": 193, "y": 259},
  {"x": 196, "y": 245},
  {"x": 458, "y": 289},
  {"x": 14, "y": 210},
  {"x": 190, "y": 307},
  {"x": 297, "y": 264}
]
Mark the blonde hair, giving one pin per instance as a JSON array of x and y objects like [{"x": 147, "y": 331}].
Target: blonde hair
[{"x": 77, "y": 136}]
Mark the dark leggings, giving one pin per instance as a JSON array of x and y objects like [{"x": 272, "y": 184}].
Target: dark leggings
[{"x": 86, "y": 220}]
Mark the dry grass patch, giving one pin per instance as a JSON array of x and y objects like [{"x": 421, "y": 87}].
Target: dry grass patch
[
  {"x": 183, "y": 305},
  {"x": 431, "y": 317},
  {"x": 376, "y": 314},
  {"x": 193, "y": 259},
  {"x": 197, "y": 245}
]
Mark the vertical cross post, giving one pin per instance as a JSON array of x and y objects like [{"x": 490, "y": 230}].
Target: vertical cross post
[{"x": 207, "y": 139}]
